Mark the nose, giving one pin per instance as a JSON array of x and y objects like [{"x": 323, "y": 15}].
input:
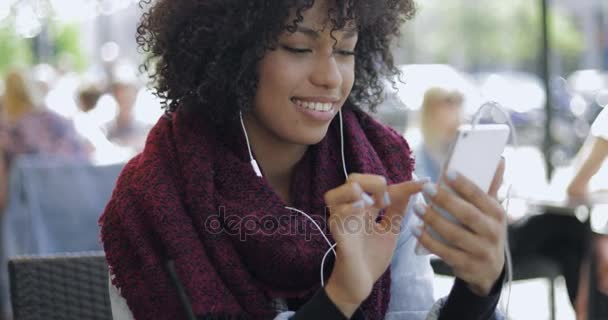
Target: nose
[{"x": 327, "y": 72}]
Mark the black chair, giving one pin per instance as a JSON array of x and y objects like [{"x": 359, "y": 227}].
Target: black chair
[
  {"x": 527, "y": 268},
  {"x": 66, "y": 286}
]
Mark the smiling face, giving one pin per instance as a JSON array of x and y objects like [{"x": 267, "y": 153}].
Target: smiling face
[{"x": 305, "y": 81}]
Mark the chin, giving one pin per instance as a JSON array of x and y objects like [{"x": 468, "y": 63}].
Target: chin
[{"x": 310, "y": 136}]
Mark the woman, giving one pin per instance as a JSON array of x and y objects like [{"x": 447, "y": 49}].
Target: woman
[
  {"x": 260, "y": 96},
  {"x": 28, "y": 128}
]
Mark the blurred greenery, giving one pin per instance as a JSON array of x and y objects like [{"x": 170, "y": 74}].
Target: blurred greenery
[
  {"x": 66, "y": 39},
  {"x": 15, "y": 51},
  {"x": 482, "y": 34}
]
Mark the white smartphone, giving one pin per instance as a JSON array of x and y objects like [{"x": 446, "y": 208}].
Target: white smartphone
[{"x": 475, "y": 154}]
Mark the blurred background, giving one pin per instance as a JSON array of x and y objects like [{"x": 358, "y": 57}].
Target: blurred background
[
  {"x": 542, "y": 60},
  {"x": 546, "y": 62}
]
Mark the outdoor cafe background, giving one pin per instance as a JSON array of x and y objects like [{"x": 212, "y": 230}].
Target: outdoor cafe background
[{"x": 545, "y": 61}]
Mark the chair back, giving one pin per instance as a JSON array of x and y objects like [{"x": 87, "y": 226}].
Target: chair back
[
  {"x": 54, "y": 206},
  {"x": 67, "y": 286}
]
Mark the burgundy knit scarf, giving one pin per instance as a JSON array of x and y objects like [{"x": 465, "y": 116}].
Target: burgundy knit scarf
[{"x": 192, "y": 197}]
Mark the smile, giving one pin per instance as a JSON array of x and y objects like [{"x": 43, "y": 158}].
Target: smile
[{"x": 315, "y": 106}]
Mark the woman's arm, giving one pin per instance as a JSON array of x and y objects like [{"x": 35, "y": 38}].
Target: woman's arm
[{"x": 591, "y": 164}]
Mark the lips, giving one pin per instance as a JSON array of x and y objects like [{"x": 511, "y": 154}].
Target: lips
[{"x": 319, "y": 105}]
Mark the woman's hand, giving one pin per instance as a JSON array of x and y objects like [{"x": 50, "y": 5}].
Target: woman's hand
[
  {"x": 477, "y": 251},
  {"x": 364, "y": 247}
]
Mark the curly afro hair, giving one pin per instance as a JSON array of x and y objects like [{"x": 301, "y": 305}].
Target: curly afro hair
[{"x": 202, "y": 55}]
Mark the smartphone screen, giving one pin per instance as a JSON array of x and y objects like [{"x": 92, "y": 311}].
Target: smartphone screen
[{"x": 475, "y": 154}]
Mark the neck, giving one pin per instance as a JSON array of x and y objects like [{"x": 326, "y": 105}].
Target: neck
[
  {"x": 123, "y": 119},
  {"x": 276, "y": 157}
]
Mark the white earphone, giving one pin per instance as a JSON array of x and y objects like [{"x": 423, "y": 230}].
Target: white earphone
[
  {"x": 258, "y": 172},
  {"x": 256, "y": 167}
]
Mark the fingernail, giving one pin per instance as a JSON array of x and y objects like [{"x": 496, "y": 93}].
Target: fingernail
[
  {"x": 359, "y": 204},
  {"x": 429, "y": 189},
  {"x": 368, "y": 200},
  {"x": 387, "y": 198},
  {"x": 419, "y": 209},
  {"x": 451, "y": 175},
  {"x": 416, "y": 231}
]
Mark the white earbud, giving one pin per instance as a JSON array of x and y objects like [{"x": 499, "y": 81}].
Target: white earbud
[
  {"x": 258, "y": 172},
  {"x": 254, "y": 164},
  {"x": 256, "y": 167}
]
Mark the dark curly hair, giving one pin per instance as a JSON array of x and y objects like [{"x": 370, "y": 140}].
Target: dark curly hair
[{"x": 202, "y": 55}]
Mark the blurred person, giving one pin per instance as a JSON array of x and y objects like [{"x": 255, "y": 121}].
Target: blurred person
[
  {"x": 88, "y": 126},
  {"x": 28, "y": 128},
  {"x": 258, "y": 97},
  {"x": 593, "y": 155},
  {"x": 125, "y": 130},
  {"x": 441, "y": 114},
  {"x": 88, "y": 96},
  {"x": 3, "y": 161},
  {"x": 557, "y": 237}
]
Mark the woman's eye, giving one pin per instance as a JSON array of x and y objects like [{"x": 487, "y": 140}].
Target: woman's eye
[
  {"x": 296, "y": 50},
  {"x": 345, "y": 52}
]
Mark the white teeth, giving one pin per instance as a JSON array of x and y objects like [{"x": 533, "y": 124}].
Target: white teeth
[{"x": 317, "y": 106}]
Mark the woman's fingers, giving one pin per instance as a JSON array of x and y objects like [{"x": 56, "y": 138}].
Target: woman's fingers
[
  {"x": 463, "y": 211},
  {"x": 360, "y": 186},
  {"x": 471, "y": 193},
  {"x": 400, "y": 194},
  {"x": 375, "y": 185},
  {"x": 346, "y": 193},
  {"x": 455, "y": 235},
  {"x": 456, "y": 258}
]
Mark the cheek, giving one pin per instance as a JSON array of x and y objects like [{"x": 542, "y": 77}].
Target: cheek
[{"x": 278, "y": 79}]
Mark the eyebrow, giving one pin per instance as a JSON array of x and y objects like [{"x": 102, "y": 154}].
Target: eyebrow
[{"x": 348, "y": 33}]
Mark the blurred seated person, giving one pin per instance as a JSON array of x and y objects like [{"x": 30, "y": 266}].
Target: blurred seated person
[
  {"x": 556, "y": 237},
  {"x": 125, "y": 130},
  {"x": 89, "y": 126},
  {"x": 440, "y": 116},
  {"x": 29, "y": 128},
  {"x": 593, "y": 155}
]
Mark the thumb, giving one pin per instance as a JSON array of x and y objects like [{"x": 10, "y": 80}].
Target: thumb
[{"x": 400, "y": 197}]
